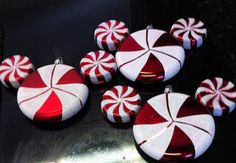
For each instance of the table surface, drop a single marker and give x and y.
(65, 28)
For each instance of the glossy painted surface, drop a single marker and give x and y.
(150, 56)
(174, 126)
(66, 28)
(98, 67)
(108, 35)
(190, 33)
(14, 70)
(120, 104)
(218, 95)
(52, 93)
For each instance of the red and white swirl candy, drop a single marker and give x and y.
(218, 95)
(173, 126)
(98, 66)
(120, 104)
(14, 70)
(150, 56)
(190, 32)
(109, 35)
(52, 93)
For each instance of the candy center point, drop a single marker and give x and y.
(110, 30)
(188, 28)
(218, 92)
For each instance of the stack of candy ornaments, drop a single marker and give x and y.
(168, 127)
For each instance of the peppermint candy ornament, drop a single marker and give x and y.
(218, 95)
(14, 70)
(109, 35)
(98, 66)
(190, 32)
(120, 104)
(52, 93)
(150, 56)
(173, 126)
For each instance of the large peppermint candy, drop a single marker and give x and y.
(218, 95)
(109, 35)
(150, 56)
(173, 126)
(98, 66)
(190, 32)
(53, 93)
(14, 70)
(120, 104)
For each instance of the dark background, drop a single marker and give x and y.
(44, 30)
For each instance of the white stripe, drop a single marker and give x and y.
(203, 31)
(8, 61)
(109, 101)
(113, 22)
(23, 61)
(110, 113)
(110, 93)
(119, 90)
(229, 94)
(127, 92)
(59, 72)
(87, 60)
(45, 73)
(80, 90)
(106, 74)
(3, 76)
(17, 58)
(229, 103)
(153, 36)
(93, 76)
(183, 22)
(3, 67)
(228, 86)
(209, 82)
(132, 69)
(204, 89)
(177, 32)
(124, 116)
(201, 140)
(140, 38)
(123, 56)
(104, 24)
(170, 65)
(197, 37)
(26, 93)
(191, 21)
(132, 107)
(199, 120)
(133, 98)
(178, 26)
(217, 111)
(13, 80)
(175, 105)
(206, 98)
(156, 145)
(121, 24)
(21, 73)
(99, 40)
(110, 43)
(219, 82)
(69, 107)
(30, 107)
(158, 102)
(28, 67)
(199, 24)
(186, 40)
